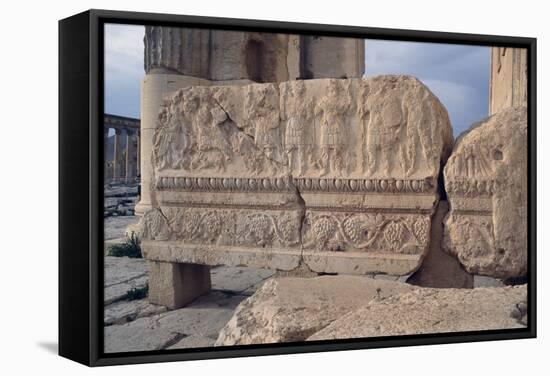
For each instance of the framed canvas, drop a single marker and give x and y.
(235, 187)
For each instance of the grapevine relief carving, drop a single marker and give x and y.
(366, 232)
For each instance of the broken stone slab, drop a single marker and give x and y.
(427, 311)
(125, 311)
(203, 318)
(486, 183)
(119, 291)
(123, 269)
(292, 309)
(122, 275)
(192, 341)
(339, 175)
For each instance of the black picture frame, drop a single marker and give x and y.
(81, 186)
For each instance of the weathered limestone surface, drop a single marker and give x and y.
(292, 309)
(230, 285)
(122, 274)
(427, 310)
(223, 55)
(326, 57)
(508, 81)
(486, 183)
(198, 324)
(175, 58)
(439, 269)
(122, 312)
(338, 174)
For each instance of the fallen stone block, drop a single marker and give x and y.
(486, 183)
(427, 311)
(292, 309)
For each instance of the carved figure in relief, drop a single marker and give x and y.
(213, 147)
(297, 137)
(172, 140)
(387, 120)
(332, 110)
(263, 113)
(474, 162)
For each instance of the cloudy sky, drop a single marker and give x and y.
(458, 75)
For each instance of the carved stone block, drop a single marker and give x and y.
(337, 174)
(486, 182)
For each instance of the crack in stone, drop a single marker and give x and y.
(297, 192)
(250, 137)
(173, 340)
(302, 204)
(127, 280)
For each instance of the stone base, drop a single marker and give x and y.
(354, 263)
(175, 285)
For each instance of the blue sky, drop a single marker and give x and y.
(457, 74)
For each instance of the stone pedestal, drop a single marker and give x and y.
(175, 285)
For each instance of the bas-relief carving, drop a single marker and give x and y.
(366, 232)
(218, 226)
(298, 140)
(407, 131)
(302, 139)
(196, 135)
(486, 183)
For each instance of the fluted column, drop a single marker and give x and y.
(130, 156)
(118, 164)
(138, 153)
(508, 81)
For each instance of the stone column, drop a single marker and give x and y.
(130, 156)
(105, 153)
(138, 153)
(508, 81)
(154, 88)
(118, 174)
(331, 57)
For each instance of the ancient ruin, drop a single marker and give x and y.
(339, 175)
(124, 166)
(268, 162)
(508, 80)
(176, 58)
(486, 182)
